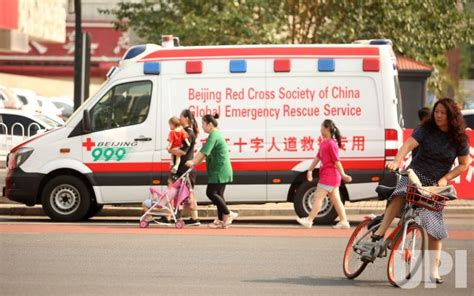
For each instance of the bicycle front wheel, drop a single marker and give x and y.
(406, 256)
(352, 264)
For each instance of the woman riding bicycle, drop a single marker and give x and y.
(440, 140)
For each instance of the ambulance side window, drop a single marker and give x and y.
(399, 102)
(123, 105)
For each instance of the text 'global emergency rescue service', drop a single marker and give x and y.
(208, 101)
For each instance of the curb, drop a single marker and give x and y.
(208, 211)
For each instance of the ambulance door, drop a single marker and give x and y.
(243, 124)
(120, 147)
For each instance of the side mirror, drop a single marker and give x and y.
(86, 122)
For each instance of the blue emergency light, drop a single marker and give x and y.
(238, 66)
(326, 65)
(134, 51)
(151, 68)
(380, 42)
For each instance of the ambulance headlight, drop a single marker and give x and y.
(19, 157)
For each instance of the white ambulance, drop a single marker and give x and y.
(271, 99)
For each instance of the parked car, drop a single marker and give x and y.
(65, 104)
(469, 117)
(50, 110)
(17, 125)
(469, 105)
(31, 102)
(9, 99)
(28, 98)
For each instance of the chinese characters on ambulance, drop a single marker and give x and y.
(291, 144)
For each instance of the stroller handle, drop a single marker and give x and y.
(189, 170)
(186, 173)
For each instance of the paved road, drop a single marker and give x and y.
(114, 257)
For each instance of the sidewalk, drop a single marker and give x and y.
(274, 210)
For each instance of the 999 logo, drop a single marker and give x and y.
(109, 154)
(108, 151)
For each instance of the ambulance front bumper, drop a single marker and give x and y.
(22, 187)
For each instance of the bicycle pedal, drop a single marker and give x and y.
(367, 259)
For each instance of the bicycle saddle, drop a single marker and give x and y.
(384, 192)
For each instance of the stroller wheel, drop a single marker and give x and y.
(144, 224)
(179, 223)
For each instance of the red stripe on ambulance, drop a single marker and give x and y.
(261, 51)
(123, 167)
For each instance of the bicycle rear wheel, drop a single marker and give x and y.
(406, 257)
(352, 264)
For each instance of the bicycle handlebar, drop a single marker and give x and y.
(400, 172)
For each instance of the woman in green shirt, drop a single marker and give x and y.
(219, 170)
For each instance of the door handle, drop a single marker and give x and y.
(142, 139)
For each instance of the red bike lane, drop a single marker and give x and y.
(202, 230)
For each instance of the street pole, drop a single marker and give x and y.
(77, 56)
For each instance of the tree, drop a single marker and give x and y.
(420, 29)
(202, 22)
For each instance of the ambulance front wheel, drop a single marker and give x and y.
(303, 203)
(66, 198)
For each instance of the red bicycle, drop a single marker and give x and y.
(407, 241)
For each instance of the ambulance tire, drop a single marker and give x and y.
(303, 203)
(66, 198)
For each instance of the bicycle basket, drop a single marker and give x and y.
(425, 198)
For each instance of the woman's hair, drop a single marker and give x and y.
(174, 121)
(335, 133)
(192, 122)
(211, 119)
(456, 123)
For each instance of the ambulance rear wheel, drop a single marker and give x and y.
(66, 198)
(303, 203)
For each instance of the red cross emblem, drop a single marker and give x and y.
(88, 144)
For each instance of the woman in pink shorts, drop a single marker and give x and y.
(330, 174)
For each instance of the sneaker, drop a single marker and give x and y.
(305, 222)
(163, 221)
(342, 225)
(231, 217)
(192, 222)
(376, 221)
(217, 224)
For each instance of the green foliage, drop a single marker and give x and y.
(420, 29)
(202, 22)
(467, 59)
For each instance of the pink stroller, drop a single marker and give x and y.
(168, 201)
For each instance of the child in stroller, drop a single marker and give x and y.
(166, 203)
